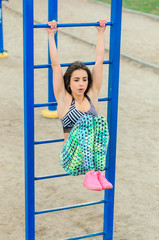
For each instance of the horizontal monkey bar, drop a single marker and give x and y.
(71, 25)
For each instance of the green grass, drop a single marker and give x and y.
(146, 6)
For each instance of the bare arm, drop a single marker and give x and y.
(58, 82)
(97, 72)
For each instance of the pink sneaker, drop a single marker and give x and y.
(103, 181)
(91, 181)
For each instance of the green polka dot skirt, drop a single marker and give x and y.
(86, 146)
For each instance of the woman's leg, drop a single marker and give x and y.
(71, 155)
(101, 139)
(77, 153)
(86, 141)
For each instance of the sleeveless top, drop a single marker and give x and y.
(74, 114)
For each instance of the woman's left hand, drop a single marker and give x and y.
(102, 26)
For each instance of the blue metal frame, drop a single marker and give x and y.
(112, 99)
(28, 53)
(1, 28)
(52, 14)
(113, 86)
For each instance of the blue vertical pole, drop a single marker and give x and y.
(113, 85)
(28, 58)
(3, 53)
(1, 28)
(52, 15)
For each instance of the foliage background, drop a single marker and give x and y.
(146, 6)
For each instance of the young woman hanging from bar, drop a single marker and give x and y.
(85, 132)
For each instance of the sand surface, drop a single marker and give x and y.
(136, 214)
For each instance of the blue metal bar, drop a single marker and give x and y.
(28, 59)
(72, 25)
(45, 104)
(48, 141)
(55, 103)
(67, 64)
(70, 207)
(104, 99)
(1, 29)
(52, 14)
(51, 176)
(86, 236)
(113, 85)
(56, 175)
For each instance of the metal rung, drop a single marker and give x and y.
(86, 236)
(68, 64)
(51, 176)
(45, 104)
(72, 25)
(70, 207)
(104, 99)
(55, 103)
(48, 141)
(58, 175)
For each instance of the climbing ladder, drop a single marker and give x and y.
(29, 105)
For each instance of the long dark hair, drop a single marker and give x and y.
(74, 66)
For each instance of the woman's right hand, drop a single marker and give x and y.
(53, 27)
(102, 25)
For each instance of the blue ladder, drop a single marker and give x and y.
(29, 105)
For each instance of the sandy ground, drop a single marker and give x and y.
(137, 174)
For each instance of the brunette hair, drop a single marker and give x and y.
(74, 66)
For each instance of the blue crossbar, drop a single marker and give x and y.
(67, 64)
(71, 25)
(45, 104)
(55, 103)
(86, 236)
(57, 175)
(48, 141)
(51, 176)
(70, 207)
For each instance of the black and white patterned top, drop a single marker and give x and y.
(74, 114)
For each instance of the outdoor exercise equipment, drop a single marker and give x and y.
(29, 105)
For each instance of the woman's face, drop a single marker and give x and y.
(79, 82)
